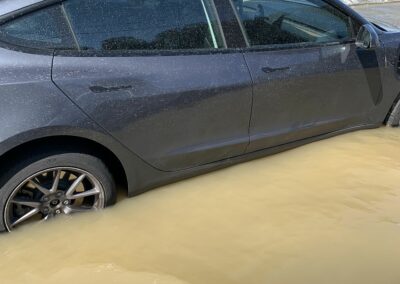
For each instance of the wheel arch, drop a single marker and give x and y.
(67, 142)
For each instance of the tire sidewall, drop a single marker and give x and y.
(21, 171)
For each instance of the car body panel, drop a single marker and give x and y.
(391, 71)
(33, 108)
(25, 87)
(314, 90)
(175, 112)
(161, 134)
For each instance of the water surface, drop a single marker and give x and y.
(328, 212)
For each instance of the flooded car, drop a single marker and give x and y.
(97, 94)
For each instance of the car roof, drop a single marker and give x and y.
(8, 6)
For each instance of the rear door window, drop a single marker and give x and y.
(144, 24)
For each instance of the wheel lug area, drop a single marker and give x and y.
(52, 192)
(54, 203)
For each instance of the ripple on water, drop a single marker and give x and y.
(325, 213)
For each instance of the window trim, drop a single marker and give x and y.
(209, 23)
(144, 53)
(230, 24)
(25, 12)
(25, 49)
(294, 46)
(219, 23)
(156, 52)
(336, 4)
(242, 28)
(233, 45)
(117, 53)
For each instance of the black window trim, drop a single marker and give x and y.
(337, 4)
(238, 46)
(23, 12)
(232, 28)
(143, 53)
(159, 52)
(219, 23)
(117, 53)
(27, 10)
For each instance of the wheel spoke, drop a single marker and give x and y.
(31, 204)
(71, 209)
(87, 193)
(74, 185)
(56, 181)
(53, 192)
(45, 191)
(25, 217)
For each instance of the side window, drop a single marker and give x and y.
(43, 29)
(144, 24)
(269, 22)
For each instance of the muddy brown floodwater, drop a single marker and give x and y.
(325, 213)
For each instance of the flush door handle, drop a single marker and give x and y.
(271, 70)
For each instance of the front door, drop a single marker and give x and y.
(309, 77)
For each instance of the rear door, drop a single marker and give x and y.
(309, 77)
(155, 75)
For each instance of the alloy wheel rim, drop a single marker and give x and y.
(52, 192)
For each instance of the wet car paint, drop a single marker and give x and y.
(325, 213)
(312, 96)
(150, 154)
(175, 112)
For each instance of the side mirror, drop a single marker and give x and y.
(367, 37)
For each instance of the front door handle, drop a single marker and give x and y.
(271, 70)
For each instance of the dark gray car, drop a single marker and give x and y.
(140, 93)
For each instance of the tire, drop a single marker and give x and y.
(394, 117)
(41, 168)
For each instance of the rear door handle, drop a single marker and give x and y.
(103, 89)
(271, 70)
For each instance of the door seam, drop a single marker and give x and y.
(95, 122)
(252, 103)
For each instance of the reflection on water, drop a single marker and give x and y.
(326, 213)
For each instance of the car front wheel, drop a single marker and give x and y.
(45, 186)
